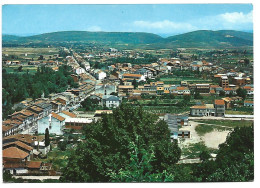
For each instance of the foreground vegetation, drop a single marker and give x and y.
(129, 146)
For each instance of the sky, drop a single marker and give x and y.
(162, 19)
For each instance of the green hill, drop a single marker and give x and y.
(207, 38)
(195, 39)
(10, 37)
(104, 37)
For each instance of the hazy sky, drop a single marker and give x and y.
(164, 19)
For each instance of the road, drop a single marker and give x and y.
(218, 118)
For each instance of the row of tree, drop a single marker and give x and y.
(17, 87)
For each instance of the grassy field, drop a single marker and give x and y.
(238, 112)
(203, 129)
(227, 123)
(13, 69)
(177, 80)
(34, 53)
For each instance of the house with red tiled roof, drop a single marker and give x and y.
(202, 110)
(219, 107)
(249, 103)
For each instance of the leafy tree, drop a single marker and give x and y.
(241, 93)
(107, 150)
(222, 93)
(235, 159)
(204, 155)
(140, 168)
(197, 95)
(20, 68)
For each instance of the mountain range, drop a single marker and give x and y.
(200, 38)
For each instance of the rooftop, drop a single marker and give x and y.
(58, 117)
(219, 102)
(14, 153)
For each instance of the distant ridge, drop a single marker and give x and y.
(200, 38)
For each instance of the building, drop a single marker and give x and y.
(14, 160)
(203, 88)
(124, 90)
(53, 122)
(132, 77)
(249, 103)
(202, 110)
(99, 74)
(239, 81)
(219, 108)
(99, 113)
(174, 122)
(224, 82)
(76, 123)
(228, 102)
(111, 101)
(105, 89)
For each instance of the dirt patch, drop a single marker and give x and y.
(213, 139)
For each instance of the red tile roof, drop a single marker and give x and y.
(219, 102)
(132, 75)
(14, 153)
(20, 144)
(199, 107)
(250, 102)
(34, 164)
(25, 138)
(58, 117)
(6, 127)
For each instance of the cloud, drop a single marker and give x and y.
(229, 20)
(237, 17)
(165, 26)
(225, 21)
(94, 28)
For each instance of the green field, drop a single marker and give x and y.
(227, 123)
(203, 129)
(14, 69)
(28, 53)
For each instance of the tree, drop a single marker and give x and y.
(134, 83)
(197, 95)
(241, 93)
(106, 148)
(222, 93)
(20, 68)
(204, 155)
(140, 168)
(234, 161)
(47, 137)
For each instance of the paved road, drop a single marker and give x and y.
(218, 118)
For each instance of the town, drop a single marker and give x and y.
(201, 94)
